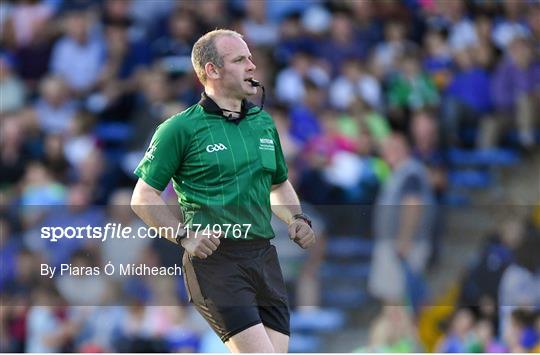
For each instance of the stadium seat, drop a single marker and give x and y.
(487, 157)
(475, 179)
(317, 320)
(113, 132)
(456, 199)
(351, 271)
(304, 343)
(348, 247)
(349, 297)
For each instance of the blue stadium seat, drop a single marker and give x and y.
(317, 320)
(345, 297)
(113, 132)
(456, 199)
(487, 157)
(470, 179)
(348, 247)
(300, 343)
(353, 271)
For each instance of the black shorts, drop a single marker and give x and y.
(238, 286)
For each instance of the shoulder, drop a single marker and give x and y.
(63, 43)
(185, 118)
(181, 122)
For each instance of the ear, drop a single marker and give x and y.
(211, 71)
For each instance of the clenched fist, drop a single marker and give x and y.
(200, 245)
(301, 233)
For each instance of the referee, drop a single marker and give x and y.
(225, 159)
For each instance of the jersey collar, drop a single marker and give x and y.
(211, 107)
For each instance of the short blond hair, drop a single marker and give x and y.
(205, 51)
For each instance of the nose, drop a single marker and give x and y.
(251, 66)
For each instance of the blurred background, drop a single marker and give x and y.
(429, 104)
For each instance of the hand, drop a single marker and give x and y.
(200, 245)
(301, 233)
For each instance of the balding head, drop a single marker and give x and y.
(205, 50)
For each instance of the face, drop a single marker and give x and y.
(394, 150)
(237, 67)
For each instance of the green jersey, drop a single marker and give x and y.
(222, 170)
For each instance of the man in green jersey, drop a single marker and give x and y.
(225, 160)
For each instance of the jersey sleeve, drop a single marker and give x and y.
(164, 155)
(281, 173)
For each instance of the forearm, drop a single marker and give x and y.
(410, 215)
(153, 210)
(285, 202)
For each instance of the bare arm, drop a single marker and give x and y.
(285, 205)
(410, 215)
(148, 204)
(285, 202)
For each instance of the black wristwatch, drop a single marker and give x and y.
(303, 217)
(182, 234)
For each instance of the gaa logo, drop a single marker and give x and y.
(215, 147)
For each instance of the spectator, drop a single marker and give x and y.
(206, 11)
(125, 58)
(368, 29)
(341, 44)
(9, 247)
(78, 57)
(49, 327)
(409, 90)
(426, 148)
(82, 286)
(290, 82)
(354, 82)
(258, 29)
(520, 282)
(402, 246)
(461, 31)
(387, 54)
(365, 119)
(54, 158)
(77, 212)
(55, 109)
(533, 22)
(305, 116)
(510, 26)
(12, 88)
(516, 88)
(39, 191)
(79, 140)
(292, 39)
(173, 51)
(289, 145)
(28, 34)
(520, 334)
(468, 100)
(438, 60)
(459, 338)
(393, 331)
(14, 155)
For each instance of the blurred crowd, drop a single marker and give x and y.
(369, 98)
